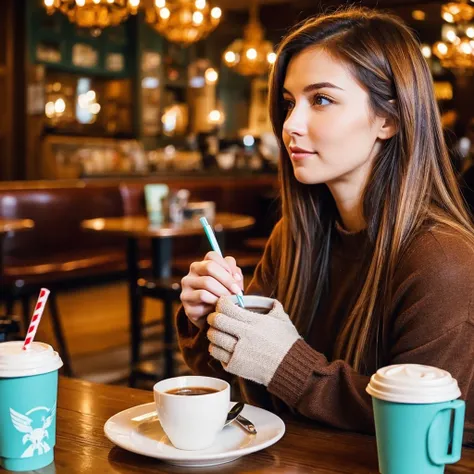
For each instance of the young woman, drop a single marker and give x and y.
(373, 258)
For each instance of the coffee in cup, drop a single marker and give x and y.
(190, 391)
(28, 402)
(256, 304)
(413, 405)
(192, 422)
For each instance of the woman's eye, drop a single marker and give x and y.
(289, 105)
(321, 100)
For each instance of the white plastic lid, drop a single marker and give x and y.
(412, 383)
(40, 358)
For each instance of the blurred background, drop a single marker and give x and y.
(135, 76)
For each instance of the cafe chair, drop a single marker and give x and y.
(166, 290)
(57, 253)
(9, 329)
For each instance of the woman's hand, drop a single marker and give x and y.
(206, 282)
(250, 345)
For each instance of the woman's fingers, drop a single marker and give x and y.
(235, 271)
(200, 296)
(215, 270)
(219, 353)
(226, 324)
(229, 264)
(221, 339)
(209, 284)
(206, 282)
(215, 257)
(197, 313)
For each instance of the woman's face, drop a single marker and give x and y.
(330, 133)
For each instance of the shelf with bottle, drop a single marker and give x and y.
(78, 104)
(61, 45)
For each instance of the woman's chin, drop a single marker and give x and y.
(303, 176)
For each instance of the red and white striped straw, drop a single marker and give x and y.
(35, 320)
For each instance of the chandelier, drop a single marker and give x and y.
(183, 21)
(94, 14)
(251, 55)
(456, 51)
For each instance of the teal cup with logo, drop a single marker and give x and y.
(419, 420)
(28, 401)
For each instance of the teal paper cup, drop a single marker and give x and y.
(418, 420)
(155, 194)
(28, 400)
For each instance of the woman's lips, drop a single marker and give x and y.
(297, 153)
(296, 156)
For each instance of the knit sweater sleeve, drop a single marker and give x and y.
(431, 322)
(193, 341)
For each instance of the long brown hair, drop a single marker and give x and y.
(411, 185)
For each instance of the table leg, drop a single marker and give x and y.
(7, 296)
(1, 274)
(161, 257)
(13, 327)
(134, 301)
(1, 257)
(162, 251)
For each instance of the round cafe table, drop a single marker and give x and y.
(161, 236)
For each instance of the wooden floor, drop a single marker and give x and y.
(96, 326)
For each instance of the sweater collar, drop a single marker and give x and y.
(350, 245)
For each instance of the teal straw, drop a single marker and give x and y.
(215, 246)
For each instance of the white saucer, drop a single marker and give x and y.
(138, 430)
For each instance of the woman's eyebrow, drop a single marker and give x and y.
(316, 86)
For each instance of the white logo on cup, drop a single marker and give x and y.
(33, 435)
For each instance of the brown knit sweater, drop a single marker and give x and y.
(431, 322)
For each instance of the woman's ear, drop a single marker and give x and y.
(389, 128)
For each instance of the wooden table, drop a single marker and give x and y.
(83, 409)
(161, 236)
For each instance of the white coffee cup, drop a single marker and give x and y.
(255, 303)
(192, 422)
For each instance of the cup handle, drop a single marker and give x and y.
(459, 407)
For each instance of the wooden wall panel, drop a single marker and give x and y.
(6, 61)
(12, 89)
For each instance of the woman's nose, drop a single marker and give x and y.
(295, 123)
